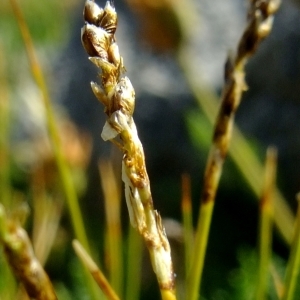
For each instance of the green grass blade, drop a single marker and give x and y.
(64, 171)
(265, 228)
(134, 265)
(186, 207)
(293, 268)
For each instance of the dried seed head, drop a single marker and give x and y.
(95, 40)
(99, 93)
(125, 96)
(114, 54)
(92, 13)
(109, 19)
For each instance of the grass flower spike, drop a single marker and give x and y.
(118, 97)
(22, 260)
(260, 20)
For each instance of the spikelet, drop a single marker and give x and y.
(118, 97)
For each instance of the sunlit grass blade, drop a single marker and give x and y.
(64, 171)
(98, 276)
(186, 208)
(4, 131)
(292, 277)
(46, 217)
(277, 280)
(133, 265)
(7, 282)
(65, 175)
(114, 247)
(200, 245)
(266, 222)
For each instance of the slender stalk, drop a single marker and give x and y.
(4, 132)
(266, 221)
(112, 199)
(240, 147)
(259, 25)
(118, 97)
(277, 280)
(293, 267)
(46, 217)
(186, 208)
(134, 265)
(64, 171)
(95, 271)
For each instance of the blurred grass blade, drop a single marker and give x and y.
(7, 281)
(46, 217)
(134, 265)
(64, 171)
(4, 132)
(95, 272)
(114, 247)
(197, 259)
(186, 207)
(292, 278)
(266, 221)
(277, 280)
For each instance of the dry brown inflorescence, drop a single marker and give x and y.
(117, 95)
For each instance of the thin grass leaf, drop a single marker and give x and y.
(114, 247)
(186, 208)
(4, 132)
(38, 76)
(98, 276)
(46, 217)
(134, 265)
(266, 221)
(66, 178)
(292, 277)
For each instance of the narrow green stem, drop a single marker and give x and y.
(134, 264)
(112, 198)
(4, 133)
(239, 149)
(293, 267)
(194, 278)
(186, 208)
(266, 221)
(64, 171)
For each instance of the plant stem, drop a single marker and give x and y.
(266, 221)
(259, 26)
(95, 271)
(293, 266)
(118, 97)
(186, 208)
(4, 133)
(64, 171)
(134, 261)
(112, 199)
(21, 258)
(240, 150)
